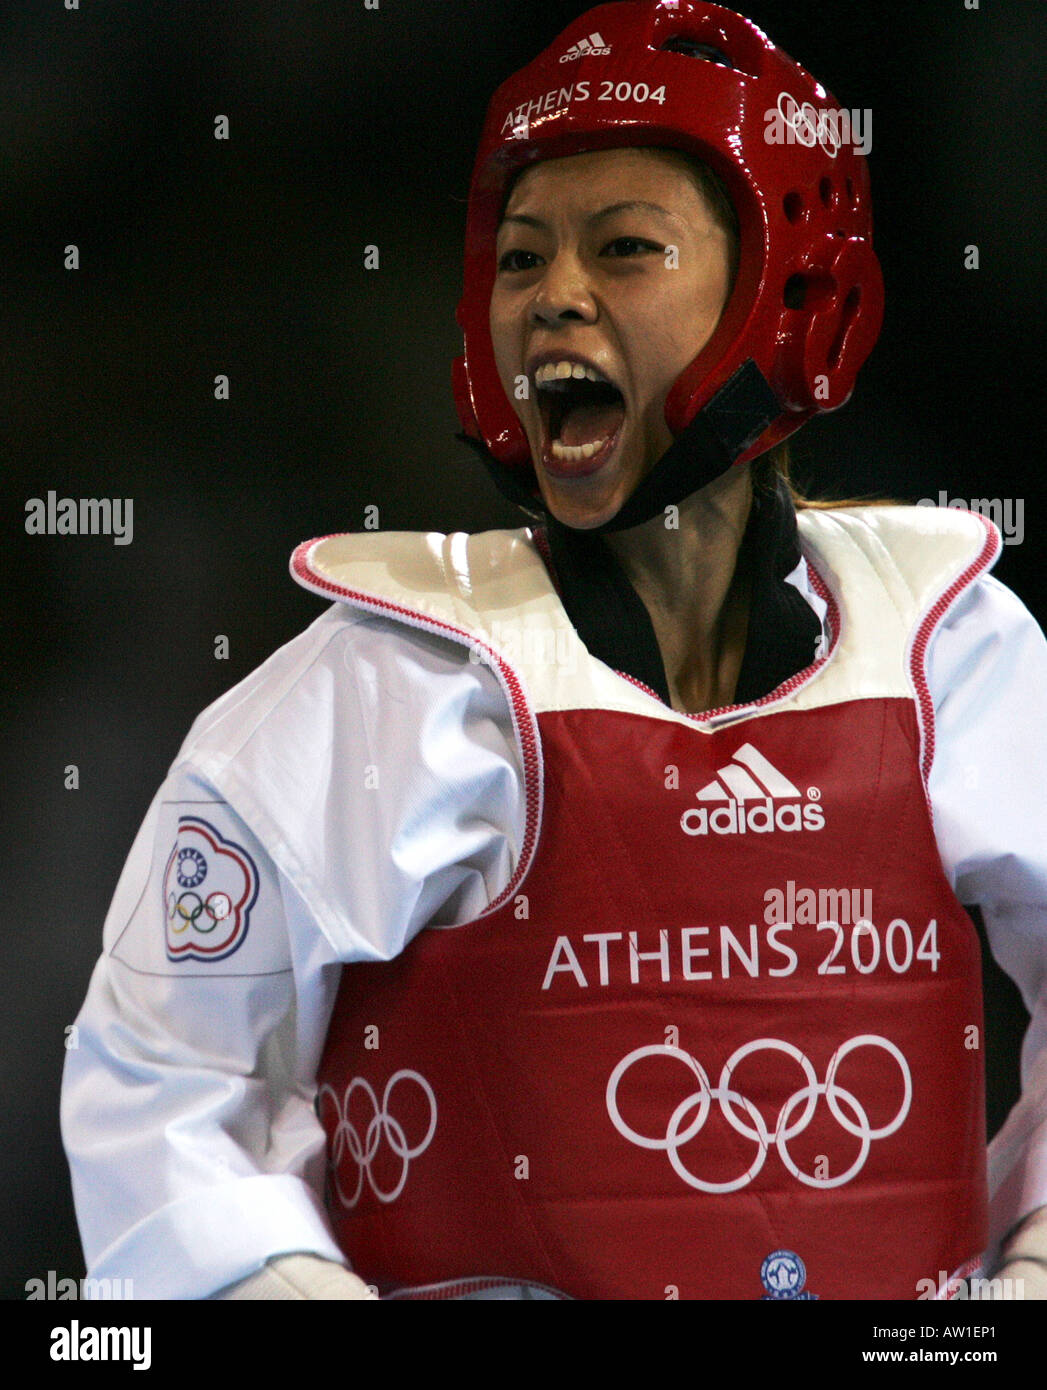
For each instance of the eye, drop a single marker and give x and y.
(509, 261)
(631, 246)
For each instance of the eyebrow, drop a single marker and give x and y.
(632, 205)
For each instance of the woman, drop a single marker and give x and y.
(679, 782)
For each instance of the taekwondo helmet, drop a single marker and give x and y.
(807, 301)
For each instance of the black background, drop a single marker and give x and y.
(197, 257)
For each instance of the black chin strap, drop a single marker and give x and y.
(602, 604)
(737, 415)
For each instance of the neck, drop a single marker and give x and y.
(693, 588)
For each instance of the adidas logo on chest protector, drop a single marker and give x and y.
(754, 797)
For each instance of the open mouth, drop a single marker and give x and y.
(581, 414)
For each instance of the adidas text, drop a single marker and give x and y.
(738, 818)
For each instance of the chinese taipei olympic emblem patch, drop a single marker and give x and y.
(210, 886)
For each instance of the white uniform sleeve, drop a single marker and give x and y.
(987, 672)
(188, 1135)
(355, 789)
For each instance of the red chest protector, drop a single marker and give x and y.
(722, 1040)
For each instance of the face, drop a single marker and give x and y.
(612, 275)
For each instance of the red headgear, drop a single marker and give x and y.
(807, 302)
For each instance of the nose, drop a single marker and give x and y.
(563, 294)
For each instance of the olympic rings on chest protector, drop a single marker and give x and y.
(346, 1137)
(681, 1129)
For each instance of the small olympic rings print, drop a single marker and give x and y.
(346, 1147)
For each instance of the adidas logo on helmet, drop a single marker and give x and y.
(755, 798)
(592, 47)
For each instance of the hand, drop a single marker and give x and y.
(296, 1277)
(1021, 1270)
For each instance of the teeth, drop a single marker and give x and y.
(561, 371)
(565, 370)
(573, 452)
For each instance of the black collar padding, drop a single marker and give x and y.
(615, 627)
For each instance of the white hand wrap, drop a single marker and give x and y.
(293, 1277)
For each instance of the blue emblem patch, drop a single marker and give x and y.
(783, 1274)
(192, 867)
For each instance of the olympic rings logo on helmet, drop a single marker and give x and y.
(680, 1129)
(809, 125)
(344, 1138)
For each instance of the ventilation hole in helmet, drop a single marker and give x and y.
(794, 296)
(793, 206)
(693, 49)
(825, 192)
(847, 313)
(850, 191)
(810, 290)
